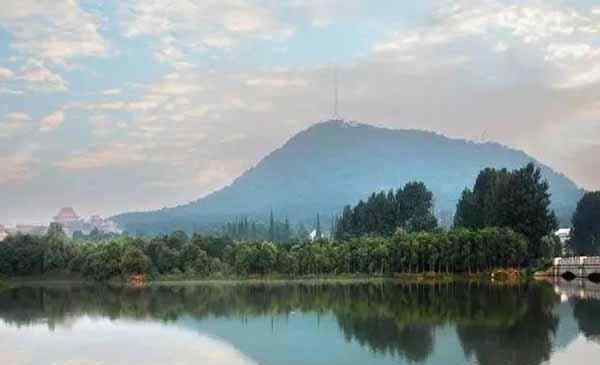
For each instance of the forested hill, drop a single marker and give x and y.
(335, 163)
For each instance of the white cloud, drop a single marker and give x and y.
(177, 26)
(18, 116)
(582, 78)
(113, 154)
(277, 82)
(111, 92)
(39, 77)
(559, 42)
(55, 31)
(8, 91)
(52, 121)
(104, 126)
(5, 73)
(13, 124)
(16, 168)
(219, 41)
(112, 105)
(321, 13)
(571, 51)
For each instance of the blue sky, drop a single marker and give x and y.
(110, 106)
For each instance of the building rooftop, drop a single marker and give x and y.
(66, 214)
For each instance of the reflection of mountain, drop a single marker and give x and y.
(394, 321)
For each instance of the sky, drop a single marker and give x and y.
(113, 106)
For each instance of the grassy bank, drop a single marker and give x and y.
(496, 275)
(500, 276)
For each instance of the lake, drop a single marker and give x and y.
(302, 324)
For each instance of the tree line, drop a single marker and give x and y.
(503, 221)
(177, 254)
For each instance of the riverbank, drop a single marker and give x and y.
(497, 276)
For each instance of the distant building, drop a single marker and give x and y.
(69, 220)
(66, 216)
(32, 229)
(313, 235)
(3, 233)
(71, 223)
(564, 234)
(102, 225)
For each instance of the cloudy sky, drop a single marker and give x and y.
(120, 105)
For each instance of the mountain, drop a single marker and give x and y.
(335, 163)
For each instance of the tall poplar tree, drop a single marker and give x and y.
(585, 237)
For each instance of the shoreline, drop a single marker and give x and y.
(404, 278)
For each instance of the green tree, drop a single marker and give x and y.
(271, 227)
(134, 261)
(519, 200)
(467, 215)
(410, 208)
(318, 228)
(585, 237)
(525, 207)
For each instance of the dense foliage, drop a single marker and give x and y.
(585, 237)
(409, 208)
(244, 228)
(458, 251)
(518, 199)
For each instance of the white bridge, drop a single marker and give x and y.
(581, 266)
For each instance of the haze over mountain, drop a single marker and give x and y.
(335, 163)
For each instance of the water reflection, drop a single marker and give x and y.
(378, 323)
(96, 341)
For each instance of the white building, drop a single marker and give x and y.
(71, 223)
(564, 234)
(3, 233)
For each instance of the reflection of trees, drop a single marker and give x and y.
(527, 341)
(513, 324)
(383, 335)
(587, 314)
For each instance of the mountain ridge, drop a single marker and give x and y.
(333, 163)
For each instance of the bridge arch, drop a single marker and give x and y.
(579, 266)
(594, 277)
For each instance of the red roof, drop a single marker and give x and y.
(66, 214)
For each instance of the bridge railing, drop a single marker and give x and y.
(563, 261)
(592, 261)
(577, 260)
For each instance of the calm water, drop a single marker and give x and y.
(302, 324)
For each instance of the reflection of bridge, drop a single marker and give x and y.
(581, 267)
(580, 289)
